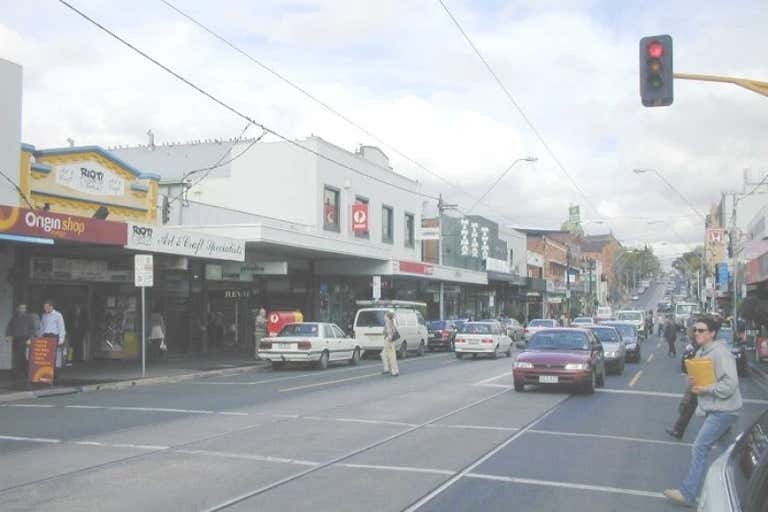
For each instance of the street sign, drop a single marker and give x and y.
(376, 287)
(143, 270)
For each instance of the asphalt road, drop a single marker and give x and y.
(445, 435)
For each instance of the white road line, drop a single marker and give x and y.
(28, 405)
(228, 413)
(481, 460)
(566, 485)
(473, 427)
(89, 443)
(668, 395)
(650, 358)
(502, 386)
(139, 446)
(328, 382)
(606, 436)
(406, 469)
(30, 439)
(246, 456)
(358, 420)
(635, 378)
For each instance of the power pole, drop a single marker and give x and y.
(442, 207)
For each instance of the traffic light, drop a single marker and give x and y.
(656, 81)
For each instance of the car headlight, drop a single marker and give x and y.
(523, 364)
(577, 366)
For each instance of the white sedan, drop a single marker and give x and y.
(482, 338)
(309, 342)
(537, 325)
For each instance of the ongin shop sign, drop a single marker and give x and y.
(22, 221)
(143, 237)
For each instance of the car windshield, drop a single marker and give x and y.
(633, 316)
(582, 320)
(476, 328)
(559, 340)
(542, 323)
(684, 309)
(606, 335)
(370, 318)
(626, 331)
(305, 330)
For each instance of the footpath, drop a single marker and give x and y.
(114, 375)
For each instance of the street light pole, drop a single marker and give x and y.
(501, 176)
(672, 187)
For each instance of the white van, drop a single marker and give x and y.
(369, 327)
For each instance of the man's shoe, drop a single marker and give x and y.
(674, 433)
(677, 498)
(395, 374)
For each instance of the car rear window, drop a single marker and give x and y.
(308, 330)
(370, 318)
(473, 328)
(624, 330)
(559, 340)
(542, 323)
(608, 334)
(631, 316)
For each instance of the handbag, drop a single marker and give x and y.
(395, 335)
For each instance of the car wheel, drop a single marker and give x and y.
(519, 387)
(355, 357)
(509, 350)
(421, 348)
(589, 387)
(459, 355)
(403, 352)
(495, 354)
(322, 363)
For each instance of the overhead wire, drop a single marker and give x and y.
(235, 111)
(18, 189)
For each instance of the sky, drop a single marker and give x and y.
(403, 71)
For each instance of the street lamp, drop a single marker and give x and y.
(662, 178)
(501, 176)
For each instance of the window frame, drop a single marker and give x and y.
(337, 226)
(409, 241)
(389, 213)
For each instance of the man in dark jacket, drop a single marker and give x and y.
(670, 335)
(22, 328)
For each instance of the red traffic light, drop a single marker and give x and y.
(655, 50)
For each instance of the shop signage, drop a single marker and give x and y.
(757, 269)
(715, 235)
(360, 218)
(245, 271)
(42, 359)
(40, 223)
(722, 276)
(535, 259)
(428, 233)
(143, 237)
(237, 294)
(376, 285)
(72, 269)
(91, 178)
(413, 267)
(494, 265)
(143, 270)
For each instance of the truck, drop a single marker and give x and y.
(684, 311)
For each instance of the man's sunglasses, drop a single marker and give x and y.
(699, 331)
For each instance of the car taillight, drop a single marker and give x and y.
(525, 330)
(487, 340)
(305, 345)
(265, 345)
(446, 334)
(459, 340)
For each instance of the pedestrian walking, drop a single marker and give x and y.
(20, 330)
(388, 353)
(688, 404)
(157, 346)
(670, 336)
(660, 325)
(259, 330)
(52, 326)
(720, 403)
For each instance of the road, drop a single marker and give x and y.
(445, 435)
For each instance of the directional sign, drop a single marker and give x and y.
(143, 270)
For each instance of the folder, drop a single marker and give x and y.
(702, 371)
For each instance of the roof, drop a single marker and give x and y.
(90, 149)
(595, 243)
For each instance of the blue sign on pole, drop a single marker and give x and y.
(722, 276)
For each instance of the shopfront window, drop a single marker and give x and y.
(331, 209)
(387, 228)
(409, 234)
(365, 233)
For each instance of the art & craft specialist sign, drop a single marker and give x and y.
(40, 223)
(90, 177)
(143, 237)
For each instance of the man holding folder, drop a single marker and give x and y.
(716, 384)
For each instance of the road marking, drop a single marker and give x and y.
(650, 358)
(358, 420)
(491, 379)
(473, 427)
(606, 436)
(30, 439)
(327, 382)
(455, 478)
(635, 378)
(565, 485)
(246, 456)
(28, 405)
(502, 386)
(668, 395)
(406, 469)
(229, 413)
(89, 443)
(139, 446)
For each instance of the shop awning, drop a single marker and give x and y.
(505, 277)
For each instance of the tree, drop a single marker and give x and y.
(635, 265)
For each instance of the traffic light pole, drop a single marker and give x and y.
(753, 85)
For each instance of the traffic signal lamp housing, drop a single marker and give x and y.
(656, 80)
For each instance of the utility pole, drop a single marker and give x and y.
(442, 207)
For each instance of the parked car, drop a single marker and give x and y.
(538, 324)
(487, 338)
(628, 333)
(604, 313)
(441, 334)
(568, 356)
(369, 328)
(303, 342)
(737, 481)
(613, 346)
(637, 317)
(514, 329)
(581, 321)
(739, 351)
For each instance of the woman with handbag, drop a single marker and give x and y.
(388, 353)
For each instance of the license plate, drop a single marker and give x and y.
(474, 342)
(284, 346)
(548, 379)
